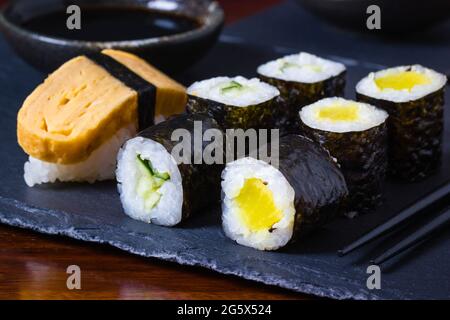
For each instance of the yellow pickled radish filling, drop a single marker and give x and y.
(402, 80)
(339, 112)
(257, 208)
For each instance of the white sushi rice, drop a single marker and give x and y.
(302, 67)
(368, 87)
(368, 116)
(254, 91)
(168, 211)
(233, 179)
(100, 165)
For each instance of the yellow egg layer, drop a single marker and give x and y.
(339, 112)
(257, 208)
(402, 80)
(81, 105)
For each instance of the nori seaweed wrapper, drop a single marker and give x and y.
(258, 116)
(146, 91)
(201, 182)
(320, 188)
(295, 95)
(415, 134)
(362, 156)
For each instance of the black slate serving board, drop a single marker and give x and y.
(93, 212)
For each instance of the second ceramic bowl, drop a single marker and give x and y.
(397, 16)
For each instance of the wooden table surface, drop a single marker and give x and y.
(33, 266)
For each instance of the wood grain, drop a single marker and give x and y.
(33, 266)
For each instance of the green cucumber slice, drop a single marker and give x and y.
(152, 200)
(149, 183)
(233, 85)
(287, 65)
(148, 165)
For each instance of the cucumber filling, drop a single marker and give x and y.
(289, 65)
(232, 86)
(149, 183)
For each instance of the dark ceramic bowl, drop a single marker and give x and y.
(170, 53)
(397, 16)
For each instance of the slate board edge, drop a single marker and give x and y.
(20, 219)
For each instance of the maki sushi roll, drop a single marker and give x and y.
(302, 79)
(157, 187)
(236, 103)
(414, 98)
(266, 207)
(356, 135)
(73, 124)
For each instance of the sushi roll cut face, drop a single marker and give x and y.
(302, 68)
(237, 91)
(302, 79)
(258, 204)
(414, 98)
(356, 135)
(234, 102)
(340, 115)
(401, 84)
(155, 184)
(266, 207)
(149, 182)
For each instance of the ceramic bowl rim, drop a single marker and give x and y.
(214, 19)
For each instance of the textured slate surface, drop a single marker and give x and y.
(93, 212)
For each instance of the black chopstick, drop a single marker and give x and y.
(418, 236)
(419, 206)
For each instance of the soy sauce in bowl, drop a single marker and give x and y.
(171, 34)
(112, 24)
